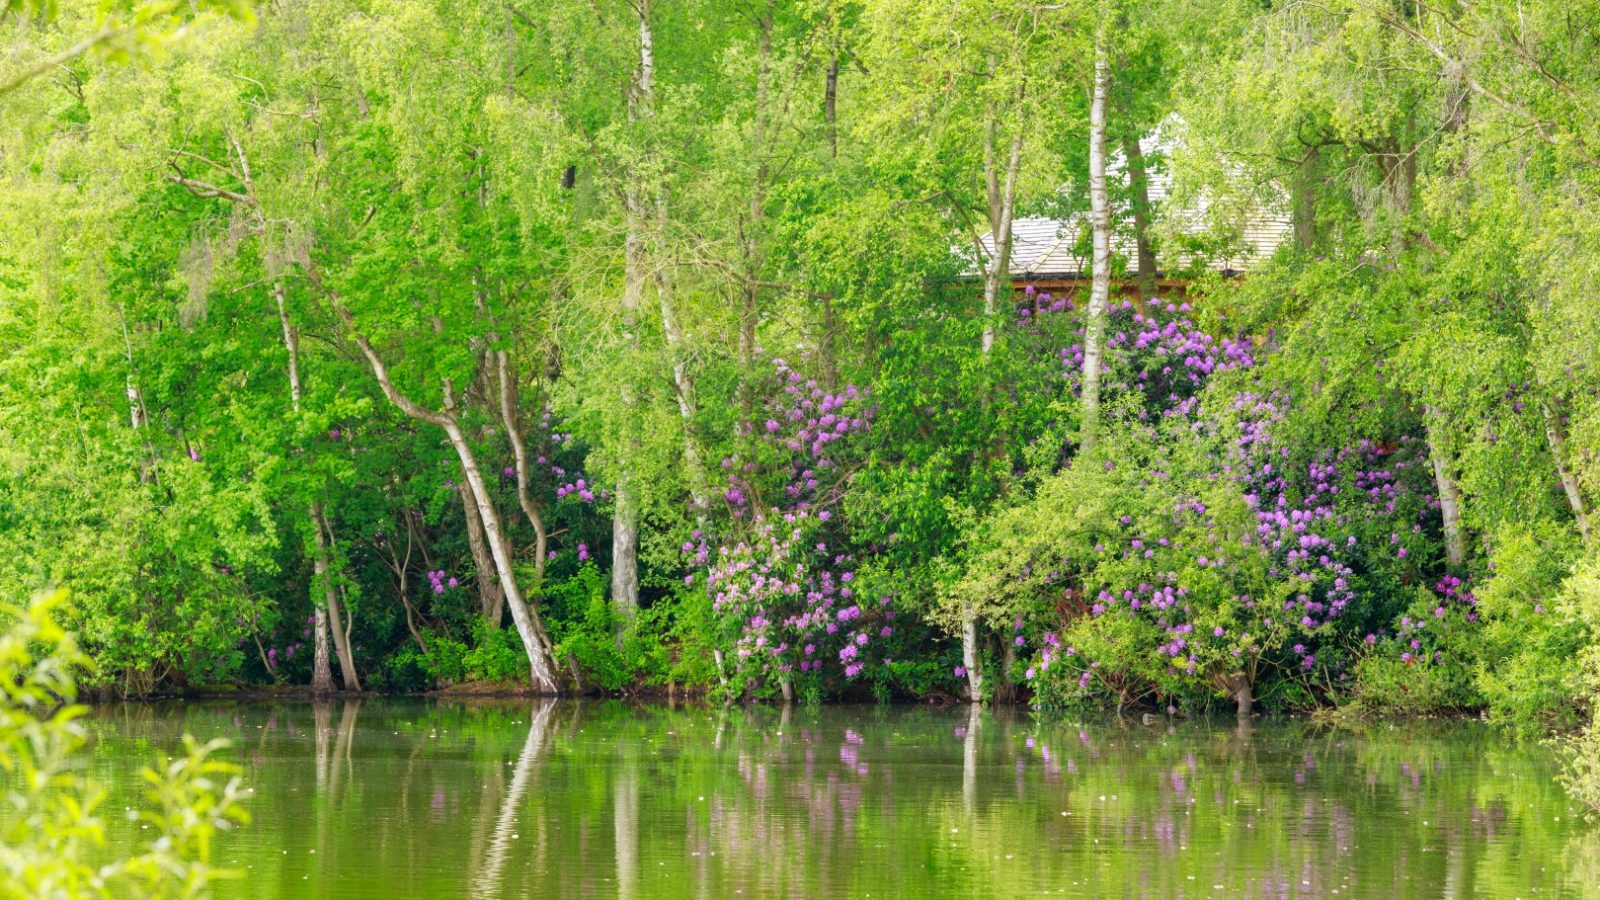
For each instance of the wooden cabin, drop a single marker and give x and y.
(1052, 255)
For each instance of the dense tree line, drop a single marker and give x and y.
(617, 345)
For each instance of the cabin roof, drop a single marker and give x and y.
(1049, 248)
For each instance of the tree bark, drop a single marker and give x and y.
(1455, 542)
(1139, 186)
(1000, 187)
(491, 597)
(524, 616)
(830, 104)
(1100, 222)
(336, 614)
(750, 311)
(1006, 692)
(1557, 440)
(1303, 210)
(1243, 697)
(971, 659)
(321, 669)
(624, 516)
(519, 448)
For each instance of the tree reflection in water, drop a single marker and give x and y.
(559, 799)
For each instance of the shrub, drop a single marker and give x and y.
(1530, 667)
(497, 654)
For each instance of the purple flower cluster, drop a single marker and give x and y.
(1154, 348)
(791, 594)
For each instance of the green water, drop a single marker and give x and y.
(392, 799)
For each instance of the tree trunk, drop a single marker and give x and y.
(750, 312)
(971, 659)
(519, 449)
(624, 517)
(1100, 221)
(524, 616)
(683, 387)
(828, 348)
(1455, 542)
(1139, 185)
(1007, 690)
(830, 104)
(321, 668)
(1569, 482)
(722, 667)
(1001, 189)
(529, 627)
(491, 598)
(336, 618)
(1303, 210)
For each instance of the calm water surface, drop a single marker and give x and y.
(393, 799)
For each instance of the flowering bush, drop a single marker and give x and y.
(781, 582)
(1202, 548)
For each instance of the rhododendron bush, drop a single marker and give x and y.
(780, 576)
(1198, 553)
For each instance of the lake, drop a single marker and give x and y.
(498, 798)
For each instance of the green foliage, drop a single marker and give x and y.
(496, 654)
(1537, 628)
(268, 295)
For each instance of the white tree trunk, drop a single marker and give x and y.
(541, 662)
(1100, 223)
(534, 641)
(1455, 541)
(491, 598)
(625, 516)
(1569, 482)
(321, 670)
(971, 659)
(321, 666)
(336, 619)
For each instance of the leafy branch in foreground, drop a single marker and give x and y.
(50, 830)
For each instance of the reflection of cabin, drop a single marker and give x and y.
(1053, 254)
